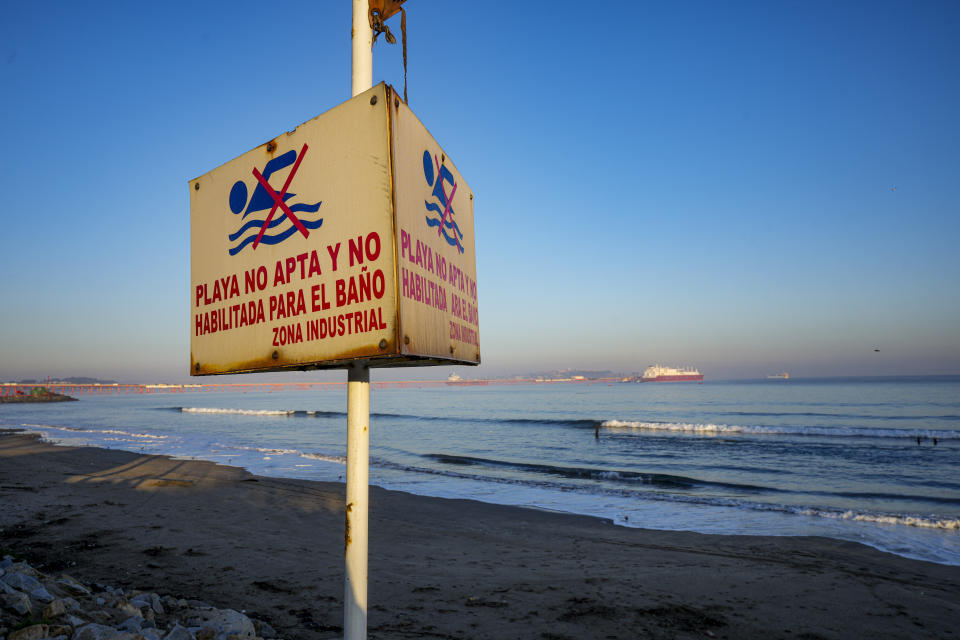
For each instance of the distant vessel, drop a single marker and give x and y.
(779, 376)
(453, 378)
(657, 373)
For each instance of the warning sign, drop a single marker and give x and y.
(349, 238)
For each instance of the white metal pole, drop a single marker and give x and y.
(362, 66)
(358, 402)
(357, 504)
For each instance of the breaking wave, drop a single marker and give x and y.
(822, 432)
(640, 426)
(272, 451)
(108, 432)
(240, 412)
(909, 520)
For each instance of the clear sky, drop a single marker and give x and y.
(745, 187)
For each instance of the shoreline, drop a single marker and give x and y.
(441, 568)
(914, 535)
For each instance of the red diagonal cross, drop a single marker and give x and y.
(278, 198)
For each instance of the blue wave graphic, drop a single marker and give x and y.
(253, 227)
(452, 240)
(259, 223)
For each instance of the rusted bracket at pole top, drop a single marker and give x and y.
(378, 13)
(383, 10)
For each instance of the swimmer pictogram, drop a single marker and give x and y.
(266, 199)
(436, 174)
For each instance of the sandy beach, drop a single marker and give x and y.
(442, 568)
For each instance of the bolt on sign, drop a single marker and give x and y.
(348, 238)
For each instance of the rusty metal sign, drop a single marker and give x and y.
(349, 238)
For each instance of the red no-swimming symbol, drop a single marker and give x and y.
(278, 198)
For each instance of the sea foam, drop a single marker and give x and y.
(820, 432)
(240, 412)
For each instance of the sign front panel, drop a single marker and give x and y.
(436, 255)
(292, 259)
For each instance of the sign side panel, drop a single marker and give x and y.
(436, 251)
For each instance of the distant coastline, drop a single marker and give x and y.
(10, 390)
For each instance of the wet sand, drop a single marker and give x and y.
(442, 568)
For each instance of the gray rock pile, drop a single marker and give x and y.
(34, 606)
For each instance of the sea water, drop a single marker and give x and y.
(873, 460)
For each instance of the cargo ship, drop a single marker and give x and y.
(656, 373)
(453, 378)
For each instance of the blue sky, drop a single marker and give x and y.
(745, 187)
